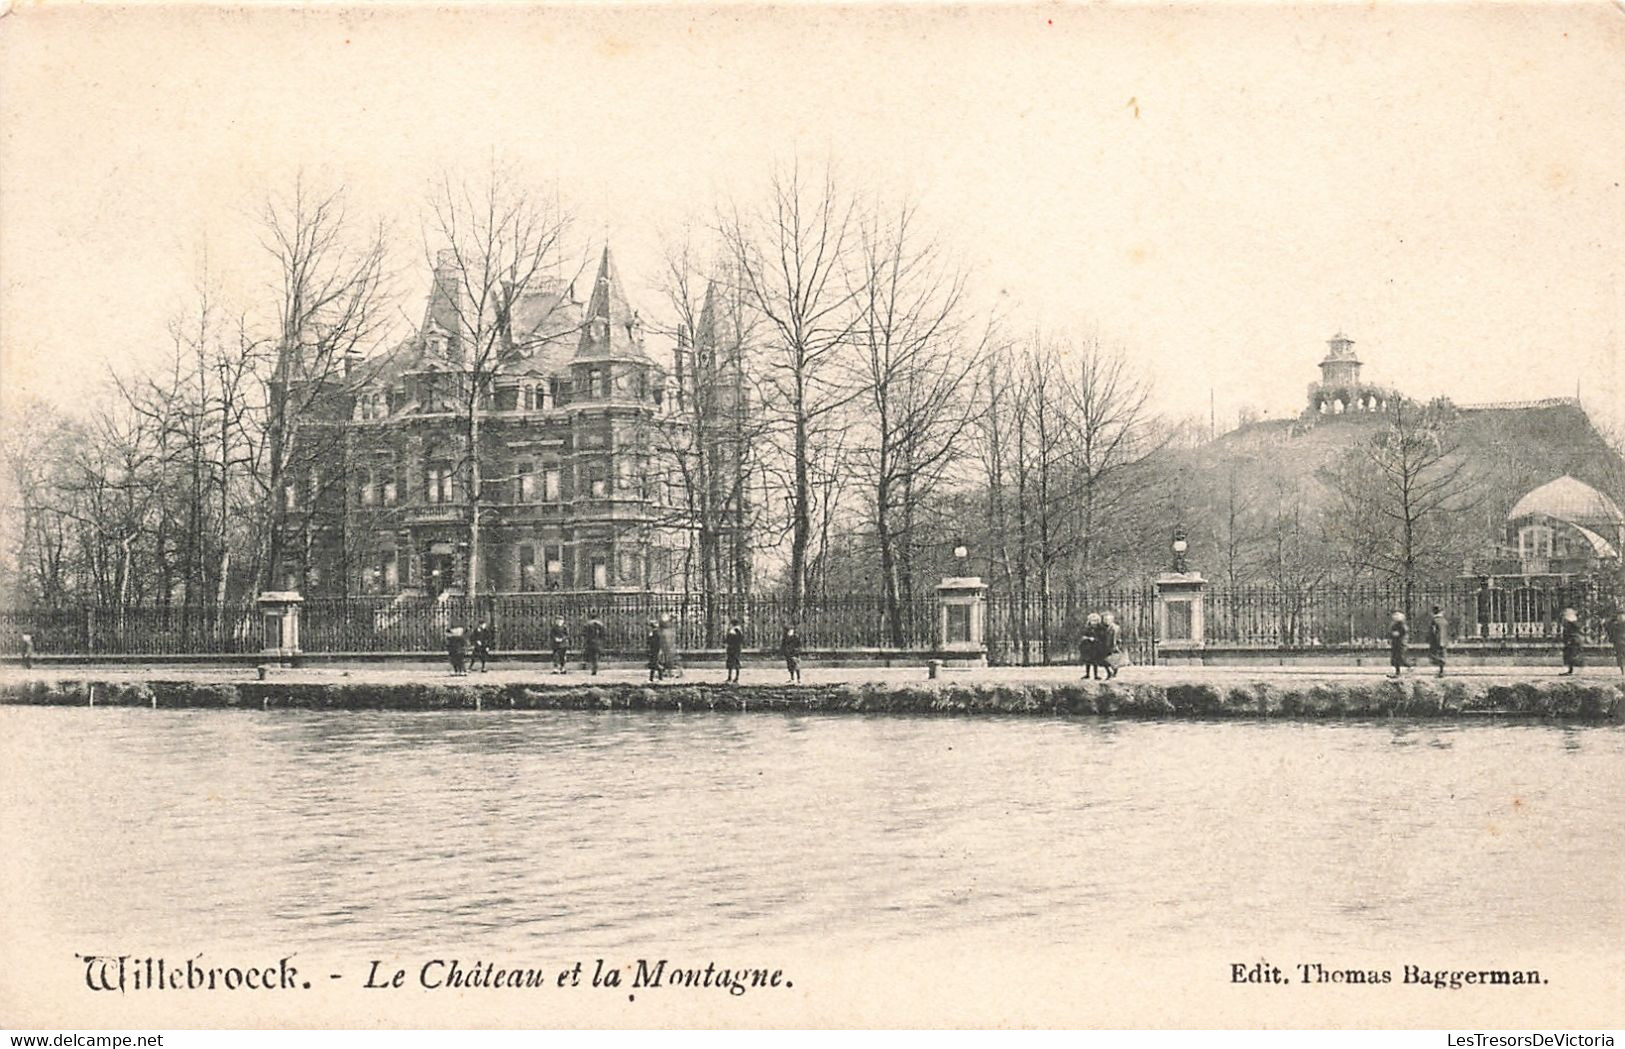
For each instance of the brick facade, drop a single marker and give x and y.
(578, 489)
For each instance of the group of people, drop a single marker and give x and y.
(465, 647)
(1439, 637)
(1101, 647)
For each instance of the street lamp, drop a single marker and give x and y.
(961, 552)
(1180, 546)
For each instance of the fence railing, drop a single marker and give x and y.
(1020, 630)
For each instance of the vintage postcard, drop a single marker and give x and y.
(812, 515)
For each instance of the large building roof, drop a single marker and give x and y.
(1568, 499)
(609, 329)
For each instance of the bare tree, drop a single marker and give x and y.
(489, 241)
(329, 305)
(709, 428)
(791, 256)
(1397, 494)
(917, 355)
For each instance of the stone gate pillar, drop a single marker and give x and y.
(962, 620)
(279, 614)
(1180, 624)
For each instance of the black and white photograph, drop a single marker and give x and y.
(812, 516)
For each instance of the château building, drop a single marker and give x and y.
(584, 448)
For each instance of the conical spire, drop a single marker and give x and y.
(610, 325)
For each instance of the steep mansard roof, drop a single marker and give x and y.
(610, 327)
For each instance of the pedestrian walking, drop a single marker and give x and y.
(28, 651)
(592, 644)
(559, 635)
(484, 640)
(734, 642)
(656, 667)
(1111, 645)
(1398, 632)
(1571, 640)
(456, 646)
(671, 664)
(1438, 632)
(1616, 636)
(1089, 645)
(790, 648)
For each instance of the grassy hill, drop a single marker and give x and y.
(1236, 482)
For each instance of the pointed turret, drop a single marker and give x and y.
(610, 328)
(440, 316)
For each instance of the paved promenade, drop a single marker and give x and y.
(531, 672)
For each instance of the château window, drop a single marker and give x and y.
(386, 485)
(551, 478)
(527, 482)
(438, 486)
(527, 567)
(388, 570)
(595, 479)
(364, 489)
(600, 574)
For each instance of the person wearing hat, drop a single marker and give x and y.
(559, 635)
(592, 644)
(484, 639)
(1571, 640)
(1437, 632)
(653, 641)
(1398, 632)
(1089, 645)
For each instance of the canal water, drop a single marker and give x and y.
(507, 831)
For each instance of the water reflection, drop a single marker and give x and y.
(610, 829)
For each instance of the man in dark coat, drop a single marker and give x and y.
(656, 666)
(1571, 640)
(790, 648)
(1398, 633)
(734, 642)
(1438, 630)
(560, 637)
(1616, 636)
(484, 640)
(592, 643)
(1089, 646)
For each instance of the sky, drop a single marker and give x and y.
(1216, 190)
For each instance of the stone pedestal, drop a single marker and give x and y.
(1181, 629)
(962, 621)
(279, 613)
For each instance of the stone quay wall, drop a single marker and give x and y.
(1303, 697)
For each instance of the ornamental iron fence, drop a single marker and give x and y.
(1020, 630)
